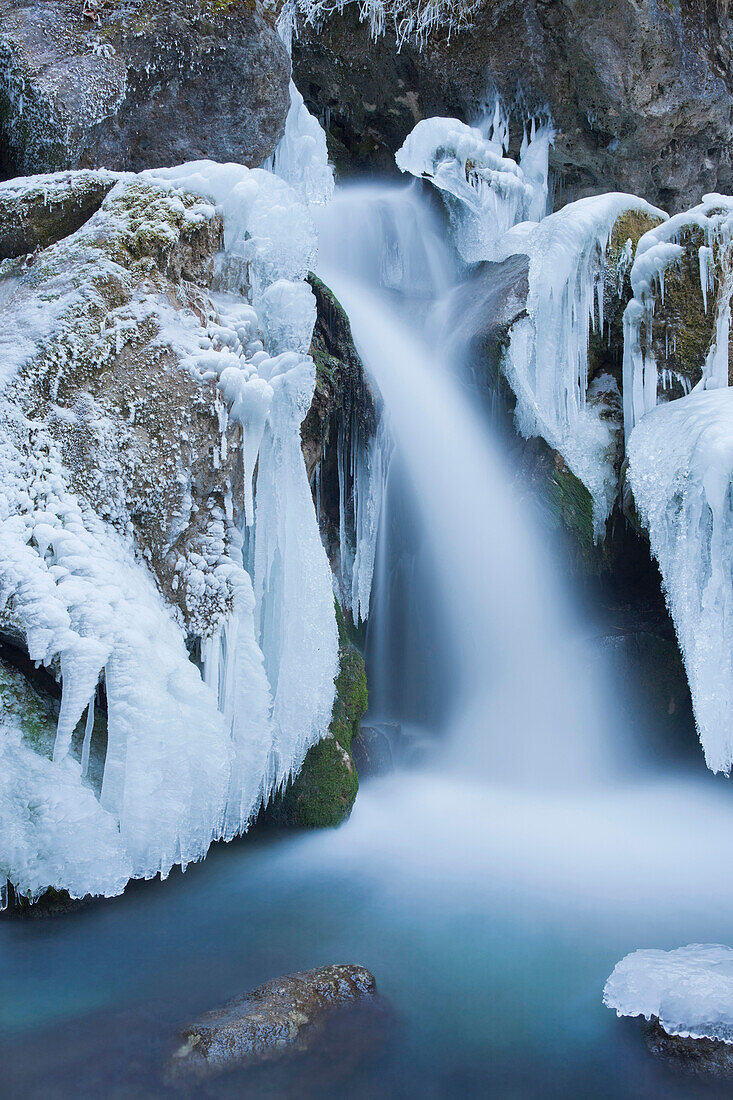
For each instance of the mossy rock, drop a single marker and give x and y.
(682, 330)
(323, 793)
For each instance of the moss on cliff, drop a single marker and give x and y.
(323, 793)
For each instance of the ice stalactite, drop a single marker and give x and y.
(546, 362)
(485, 191)
(276, 661)
(681, 473)
(708, 230)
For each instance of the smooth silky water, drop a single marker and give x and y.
(492, 886)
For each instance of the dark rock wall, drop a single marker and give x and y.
(640, 90)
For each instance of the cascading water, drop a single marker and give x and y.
(491, 910)
(513, 697)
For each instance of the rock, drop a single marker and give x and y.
(696, 1057)
(281, 1017)
(343, 401)
(639, 91)
(139, 85)
(35, 216)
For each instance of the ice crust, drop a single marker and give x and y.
(680, 470)
(546, 362)
(189, 759)
(689, 990)
(657, 252)
(486, 192)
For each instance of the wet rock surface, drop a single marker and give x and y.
(639, 90)
(127, 85)
(281, 1017)
(693, 1057)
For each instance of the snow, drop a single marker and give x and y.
(680, 471)
(689, 990)
(485, 191)
(546, 362)
(658, 251)
(189, 759)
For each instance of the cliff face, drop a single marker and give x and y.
(639, 90)
(128, 86)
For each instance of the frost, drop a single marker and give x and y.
(546, 362)
(689, 990)
(658, 251)
(680, 471)
(486, 192)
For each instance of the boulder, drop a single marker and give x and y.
(279, 1018)
(125, 85)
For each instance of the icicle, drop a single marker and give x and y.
(87, 736)
(546, 362)
(81, 664)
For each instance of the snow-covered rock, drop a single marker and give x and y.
(138, 397)
(677, 325)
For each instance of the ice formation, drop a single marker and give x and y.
(301, 156)
(681, 470)
(406, 19)
(658, 251)
(188, 759)
(689, 990)
(486, 192)
(546, 362)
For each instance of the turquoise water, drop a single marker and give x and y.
(491, 921)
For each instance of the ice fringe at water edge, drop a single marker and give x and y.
(546, 362)
(689, 990)
(660, 250)
(680, 471)
(486, 192)
(180, 771)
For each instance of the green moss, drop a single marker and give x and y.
(323, 793)
(683, 331)
(25, 710)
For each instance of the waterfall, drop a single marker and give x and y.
(516, 698)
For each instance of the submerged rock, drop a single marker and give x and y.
(130, 85)
(278, 1018)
